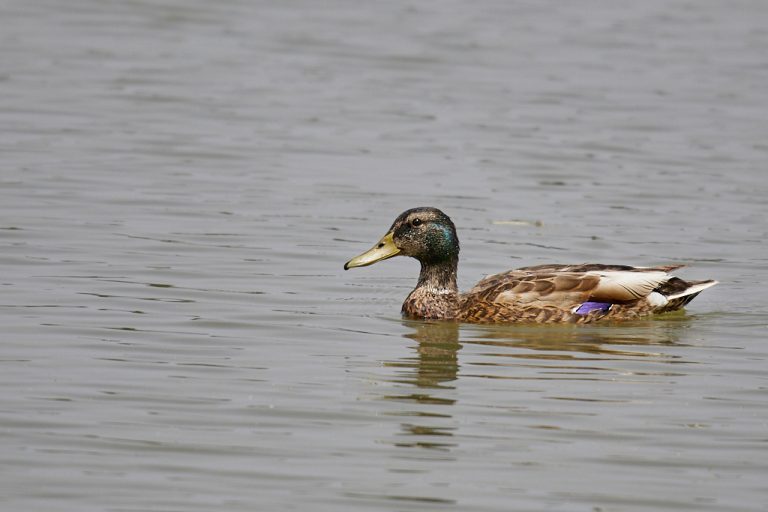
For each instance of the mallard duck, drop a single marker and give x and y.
(541, 294)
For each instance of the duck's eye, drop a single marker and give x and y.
(416, 223)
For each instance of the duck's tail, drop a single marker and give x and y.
(676, 293)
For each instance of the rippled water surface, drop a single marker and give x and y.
(182, 181)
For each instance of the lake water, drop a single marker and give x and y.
(182, 181)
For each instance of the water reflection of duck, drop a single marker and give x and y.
(435, 365)
(569, 341)
(440, 342)
(541, 294)
(558, 348)
(438, 347)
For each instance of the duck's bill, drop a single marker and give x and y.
(384, 249)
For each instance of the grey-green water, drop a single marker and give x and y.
(181, 182)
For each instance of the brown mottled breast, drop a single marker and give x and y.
(427, 304)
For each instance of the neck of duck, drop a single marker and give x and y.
(436, 295)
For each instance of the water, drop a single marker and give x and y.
(183, 181)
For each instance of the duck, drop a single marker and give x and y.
(550, 293)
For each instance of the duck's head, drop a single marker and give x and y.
(425, 233)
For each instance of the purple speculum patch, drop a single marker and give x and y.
(588, 307)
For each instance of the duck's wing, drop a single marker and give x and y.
(525, 287)
(570, 285)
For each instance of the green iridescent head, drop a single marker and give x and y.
(425, 233)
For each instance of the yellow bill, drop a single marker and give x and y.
(386, 248)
